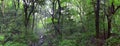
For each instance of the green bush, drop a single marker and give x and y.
(113, 41)
(15, 44)
(67, 43)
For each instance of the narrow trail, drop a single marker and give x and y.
(41, 34)
(40, 40)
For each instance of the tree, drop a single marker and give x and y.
(97, 9)
(111, 11)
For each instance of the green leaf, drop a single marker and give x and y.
(62, 1)
(2, 37)
(117, 2)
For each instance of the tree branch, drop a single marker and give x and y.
(117, 8)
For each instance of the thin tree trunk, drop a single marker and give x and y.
(53, 9)
(97, 8)
(59, 17)
(33, 21)
(104, 30)
(109, 27)
(25, 12)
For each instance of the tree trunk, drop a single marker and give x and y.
(109, 27)
(97, 8)
(59, 17)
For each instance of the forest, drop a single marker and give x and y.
(59, 23)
